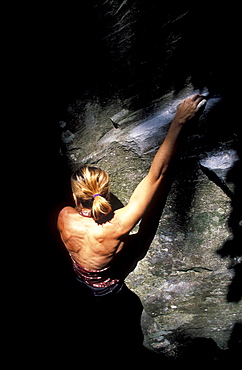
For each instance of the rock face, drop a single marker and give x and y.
(188, 281)
(182, 281)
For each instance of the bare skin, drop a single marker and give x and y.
(94, 245)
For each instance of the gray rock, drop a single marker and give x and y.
(182, 281)
(217, 166)
(220, 162)
(119, 117)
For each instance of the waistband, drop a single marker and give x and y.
(102, 291)
(96, 278)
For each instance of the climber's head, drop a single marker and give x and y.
(90, 187)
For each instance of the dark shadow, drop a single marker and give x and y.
(205, 351)
(185, 174)
(115, 202)
(235, 344)
(137, 245)
(200, 350)
(232, 247)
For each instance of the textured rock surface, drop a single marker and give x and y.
(182, 281)
(139, 63)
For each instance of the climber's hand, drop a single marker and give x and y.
(188, 108)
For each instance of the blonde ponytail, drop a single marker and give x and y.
(100, 207)
(90, 185)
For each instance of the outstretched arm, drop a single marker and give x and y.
(146, 190)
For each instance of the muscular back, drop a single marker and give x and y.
(91, 244)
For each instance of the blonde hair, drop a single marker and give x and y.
(90, 185)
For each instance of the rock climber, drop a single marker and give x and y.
(92, 232)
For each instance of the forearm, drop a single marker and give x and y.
(166, 152)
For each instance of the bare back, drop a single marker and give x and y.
(91, 244)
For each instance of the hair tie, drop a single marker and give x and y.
(96, 195)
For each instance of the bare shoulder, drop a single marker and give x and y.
(64, 214)
(118, 221)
